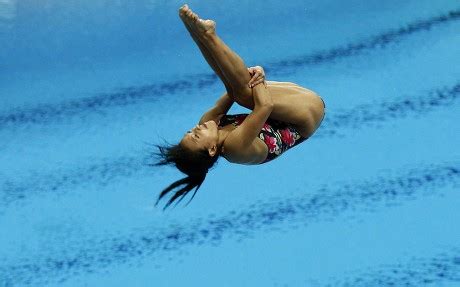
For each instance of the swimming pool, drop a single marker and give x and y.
(370, 200)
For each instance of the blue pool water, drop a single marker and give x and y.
(372, 199)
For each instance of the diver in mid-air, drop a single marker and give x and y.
(283, 115)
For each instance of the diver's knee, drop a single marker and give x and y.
(244, 97)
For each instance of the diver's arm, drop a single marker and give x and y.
(249, 129)
(222, 106)
(224, 103)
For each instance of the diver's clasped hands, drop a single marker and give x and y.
(258, 76)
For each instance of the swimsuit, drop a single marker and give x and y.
(277, 135)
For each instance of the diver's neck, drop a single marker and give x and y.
(223, 134)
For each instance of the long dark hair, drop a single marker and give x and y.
(195, 164)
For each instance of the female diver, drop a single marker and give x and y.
(283, 115)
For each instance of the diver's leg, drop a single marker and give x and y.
(230, 64)
(205, 53)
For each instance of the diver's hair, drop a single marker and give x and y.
(195, 164)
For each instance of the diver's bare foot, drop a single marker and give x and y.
(198, 25)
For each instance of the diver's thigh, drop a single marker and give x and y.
(244, 98)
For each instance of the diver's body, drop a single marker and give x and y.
(293, 104)
(283, 115)
(290, 103)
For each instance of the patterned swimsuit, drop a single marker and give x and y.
(277, 135)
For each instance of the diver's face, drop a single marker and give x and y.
(202, 137)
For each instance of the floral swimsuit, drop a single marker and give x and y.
(277, 135)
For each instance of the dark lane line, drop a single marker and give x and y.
(372, 43)
(104, 172)
(418, 271)
(327, 203)
(61, 181)
(49, 113)
(370, 115)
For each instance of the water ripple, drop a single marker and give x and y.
(88, 256)
(417, 272)
(48, 113)
(104, 171)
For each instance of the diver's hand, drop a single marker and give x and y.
(258, 76)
